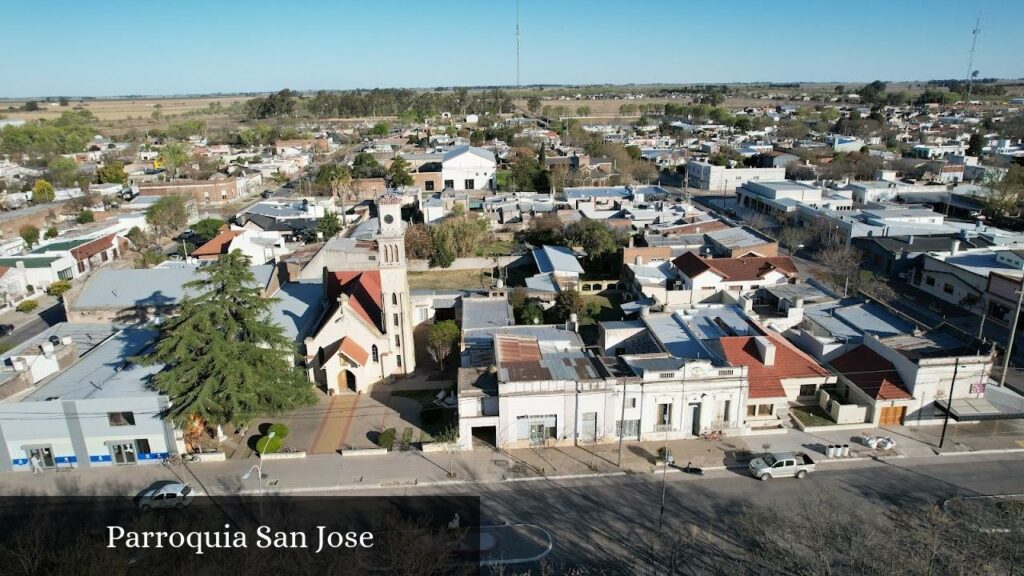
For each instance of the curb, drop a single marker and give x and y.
(982, 452)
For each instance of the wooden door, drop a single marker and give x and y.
(892, 416)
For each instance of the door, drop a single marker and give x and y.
(589, 429)
(123, 453)
(695, 419)
(892, 416)
(536, 433)
(44, 454)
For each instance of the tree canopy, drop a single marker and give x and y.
(112, 172)
(207, 228)
(398, 173)
(441, 340)
(42, 192)
(167, 214)
(30, 234)
(225, 360)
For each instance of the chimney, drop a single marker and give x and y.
(954, 247)
(573, 324)
(766, 349)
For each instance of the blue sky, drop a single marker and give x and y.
(118, 47)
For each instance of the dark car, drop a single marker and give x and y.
(6, 329)
(266, 194)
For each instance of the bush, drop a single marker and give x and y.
(387, 439)
(268, 445)
(27, 306)
(58, 288)
(279, 430)
(151, 258)
(86, 217)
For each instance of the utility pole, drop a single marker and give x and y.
(517, 45)
(1013, 332)
(970, 60)
(622, 423)
(949, 403)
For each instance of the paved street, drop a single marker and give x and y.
(27, 326)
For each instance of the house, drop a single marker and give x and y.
(557, 260)
(739, 242)
(723, 179)
(87, 253)
(201, 191)
(779, 198)
(733, 274)
(261, 247)
(468, 168)
(365, 334)
(961, 277)
(39, 271)
(93, 411)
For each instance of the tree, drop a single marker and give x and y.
(380, 129)
(58, 288)
(27, 306)
(174, 156)
(841, 268)
(533, 104)
(442, 256)
(208, 228)
(112, 173)
(167, 214)
(418, 243)
(1003, 196)
(329, 226)
(51, 232)
(30, 234)
(151, 258)
(545, 229)
(568, 302)
(441, 340)
(366, 166)
(136, 236)
(42, 192)
(974, 145)
(85, 217)
(600, 242)
(63, 171)
(224, 358)
(530, 313)
(398, 173)
(839, 89)
(793, 237)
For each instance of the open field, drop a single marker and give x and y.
(449, 280)
(120, 109)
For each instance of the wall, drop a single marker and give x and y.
(202, 191)
(465, 264)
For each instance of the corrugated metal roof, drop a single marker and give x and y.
(145, 287)
(556, 259)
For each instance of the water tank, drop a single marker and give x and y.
(66, 340)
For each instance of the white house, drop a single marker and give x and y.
(468, 168)
(738, 275)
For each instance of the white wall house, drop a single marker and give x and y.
(705, 176)
(468, 168)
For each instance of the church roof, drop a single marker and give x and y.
(363, 289)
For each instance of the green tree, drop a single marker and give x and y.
(599, 241)
(174, 155)
(167, 214)
(568, 302)
(224, 358)
(533, 104)
(151, 258)
(63, 171)
(398, 173)
(975, 145)
(442, 256)
(26, 306)
(136, 236)
(112, 173)
(329, 226)
(30, 234)
(380, 129)
(86, 217)
(530, 313)
(58, 288)
(366, 166)
(51, 232)
(441, 340)
(208, 228)
(42, 192)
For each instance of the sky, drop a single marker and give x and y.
(120, 47)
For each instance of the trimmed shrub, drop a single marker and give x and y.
(279, 430)
(387, 439)
(27, 306)
(268, 445)
(58, 288)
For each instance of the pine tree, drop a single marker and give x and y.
(225, 360)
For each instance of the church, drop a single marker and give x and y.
(365, 335)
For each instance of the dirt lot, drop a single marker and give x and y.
(450, 280)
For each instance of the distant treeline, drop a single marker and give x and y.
(403, 103)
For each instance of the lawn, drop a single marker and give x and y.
(450, 280)
(609, 307)
(811, 416)
(499, 247)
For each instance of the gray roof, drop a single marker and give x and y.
(460, 150)
(104, 372)
(640, 364)
(276, 210)
(556, 259)
(85, 336)
(146, 287)
(579, 193)
(298, 307)
(810, 293)
(737, 237)
(850, 321)
(480, 313)
(541, 283)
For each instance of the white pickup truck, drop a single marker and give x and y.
(781, 465)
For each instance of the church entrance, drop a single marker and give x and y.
(349, 380)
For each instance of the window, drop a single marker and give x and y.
(375, 353)
(666, 375)
(66, 274)
(399, 360)
(142, 446)
(929, 280)
(121, 418)
(630, 402)
(395, 318)
(947, 288)
(631, 428)
(469, 184)
(394, 299)
(664, 415)
(751, 410)
(449, 183)
(760, 409)
(398, 341)
(428, 185)
(807, 389)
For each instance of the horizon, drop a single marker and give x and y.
(219, 49)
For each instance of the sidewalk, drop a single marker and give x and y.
(322, 472)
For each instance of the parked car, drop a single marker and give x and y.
(6, 329)
(781, 465)
(173, 495)
(266, 194)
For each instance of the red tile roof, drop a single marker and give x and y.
(363, 289)
(217, 246)
(872, 373)
(353, 351)
(734, 269)
(90, 249)
(766, 381)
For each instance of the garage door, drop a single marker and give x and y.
(892, 416)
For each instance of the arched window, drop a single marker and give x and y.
(394, 299)
(376, 355)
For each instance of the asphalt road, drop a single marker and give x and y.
(43, 320)
(593, 520)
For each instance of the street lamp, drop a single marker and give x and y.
(259, 471)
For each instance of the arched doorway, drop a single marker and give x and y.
(347, 381)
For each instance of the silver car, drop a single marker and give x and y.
(173, 495)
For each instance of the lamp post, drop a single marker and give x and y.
(949, 403)
(664, 479)
(259, 472)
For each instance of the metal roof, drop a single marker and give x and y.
(460, 150)
(480, 313)
(146, 287)
(298, 307)
(29, 261)
(556, 259)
